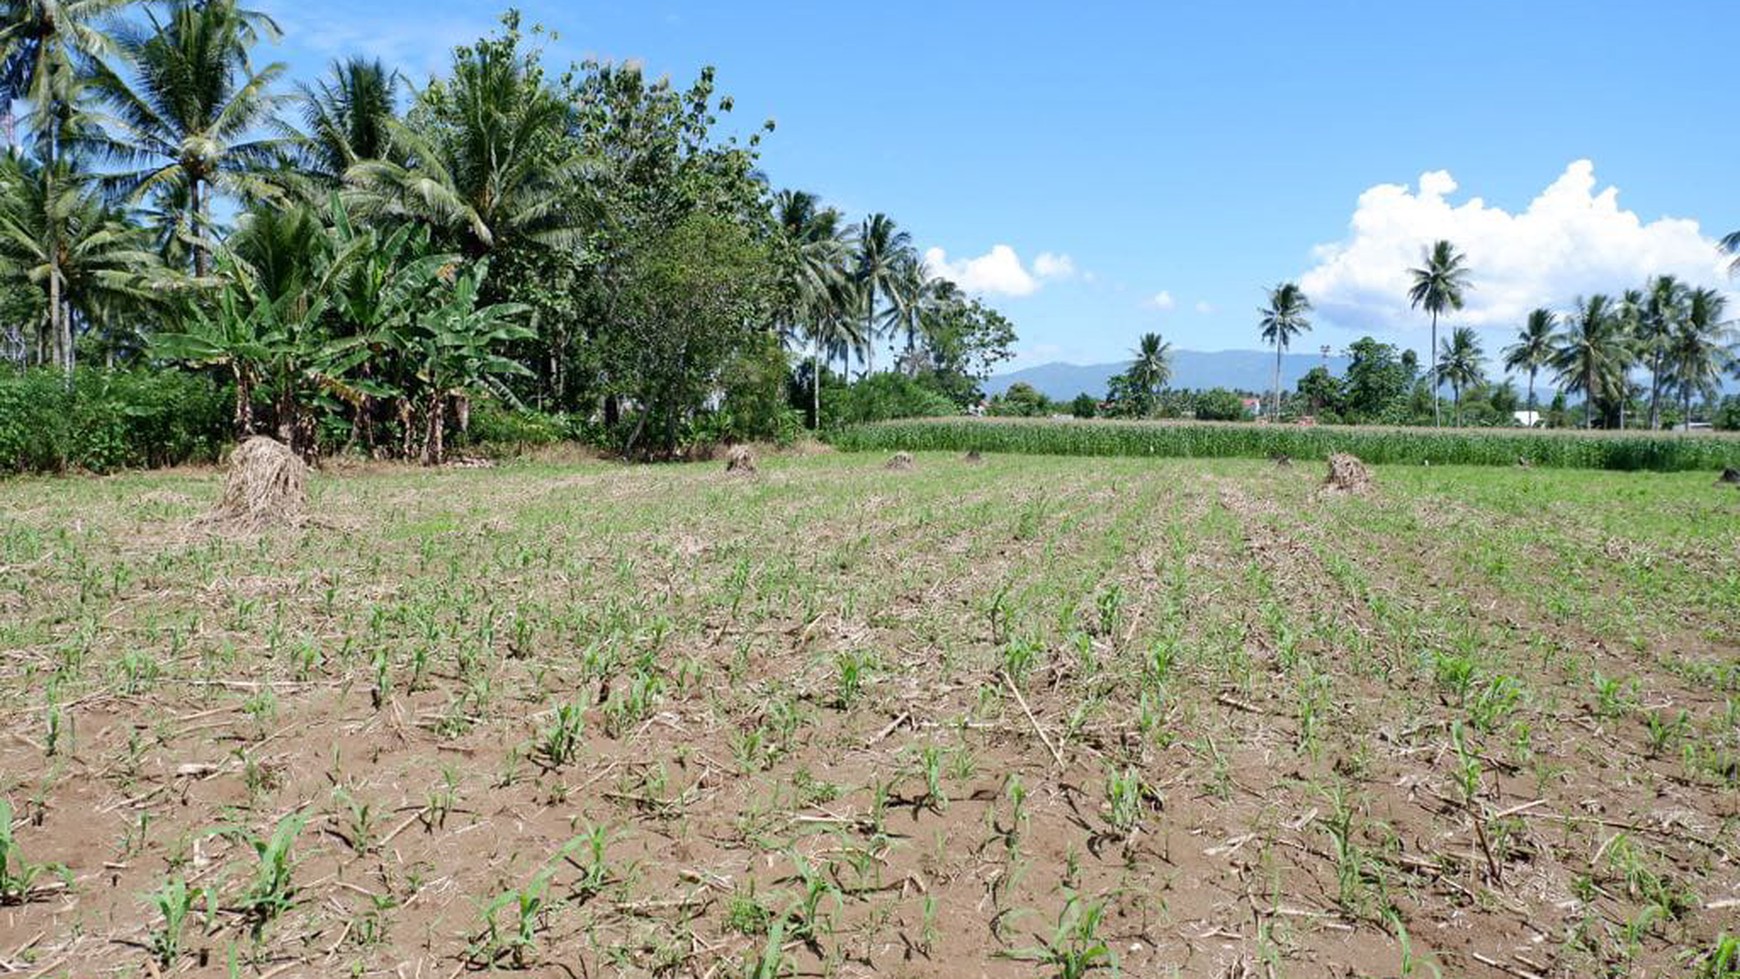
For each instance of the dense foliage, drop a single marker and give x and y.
(109, 420)
(362, 264)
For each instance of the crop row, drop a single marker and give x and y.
(1657, 452)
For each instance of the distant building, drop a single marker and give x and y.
(1253, 406)
(1529, 419)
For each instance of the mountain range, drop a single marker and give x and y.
(1238, 370)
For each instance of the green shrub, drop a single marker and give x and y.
(1481, 447)
(109, 420)
(882, 397)
(498, 426)
(1220, 405)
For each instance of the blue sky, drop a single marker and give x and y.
(1170, 161)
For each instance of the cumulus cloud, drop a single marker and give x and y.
(998, 272)
(1572, 239)
(1163, 300)
(1050, 266)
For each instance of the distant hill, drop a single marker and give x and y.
(1239, 370)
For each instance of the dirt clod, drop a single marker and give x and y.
(1347, 474)
(741, 460)
(901, 462)
(267, 485)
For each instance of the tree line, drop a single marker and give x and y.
(1678, 334)
(361, 260)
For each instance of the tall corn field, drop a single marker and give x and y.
(1659, 452)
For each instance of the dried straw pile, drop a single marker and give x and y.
(1347, 474)
(267, 485)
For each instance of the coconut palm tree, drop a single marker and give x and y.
(484, 159)
(1533, 349)
(1731, 245)
(817, 253)
(1590, 355)
(1629, 321)
(1460, 362)
(1701, 348)
(1284, 319)
(883, 249)
(1662, 312)
(838, 330)
(914, 296)
(59, 240)
(346, 119)
(1151, 371)
(1438, 286)
(44, 46)
(194, 112)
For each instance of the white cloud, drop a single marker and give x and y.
(997, 272)
(1163, 300)
(1049, 266)
(1204, 307)
(1571, 240)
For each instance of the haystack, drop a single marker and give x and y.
(267, 485)
(1730, 475)
(1347, 474)
(740, 460)
(901, 462)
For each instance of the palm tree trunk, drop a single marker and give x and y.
(196, 219)
(1277, 415)
(1655, 390)
(870, 332)
(55, 310)
(1589, 401)
(1532, 407)
(816, 386)
(1431, 357)
(66, 336)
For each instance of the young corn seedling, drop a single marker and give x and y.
(515, 937)
(18, 876)
(849, 683)
(560, 741)
(1075, 947)
(770, 962)
(808, 921)
(174, 901)
(1124, 799)
(272, 892)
